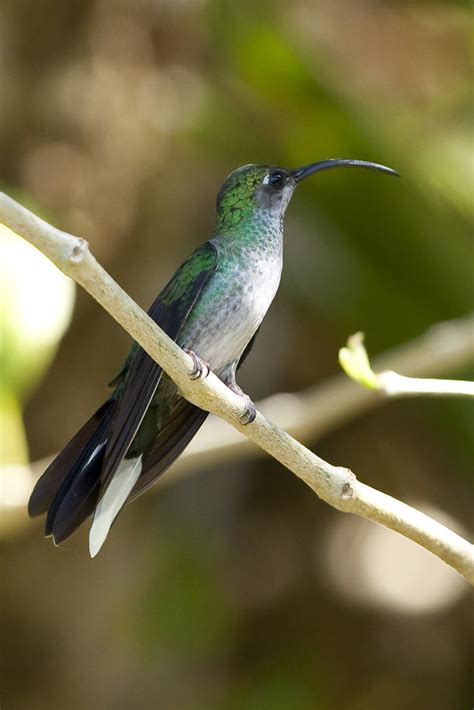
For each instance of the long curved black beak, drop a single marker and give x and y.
(302, 173)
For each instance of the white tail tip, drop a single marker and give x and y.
(112, 502)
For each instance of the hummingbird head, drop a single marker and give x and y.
(269, 189)
(254, 188)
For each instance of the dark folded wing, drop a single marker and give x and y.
(184, 420)
(138, 384)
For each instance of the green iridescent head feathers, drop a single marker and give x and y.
(248, 190)
(237, 192)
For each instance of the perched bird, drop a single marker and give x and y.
(212, 307)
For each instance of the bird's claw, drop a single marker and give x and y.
(250, 412)
(200, 369)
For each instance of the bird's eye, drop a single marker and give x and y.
(277, 179)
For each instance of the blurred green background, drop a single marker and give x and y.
(237, 588)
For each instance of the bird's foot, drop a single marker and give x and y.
(250, 412)
(201, 368)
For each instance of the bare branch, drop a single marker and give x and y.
(336, 485)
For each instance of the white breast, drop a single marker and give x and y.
(234, 316)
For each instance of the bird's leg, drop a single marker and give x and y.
(201, 368)
(250, 410)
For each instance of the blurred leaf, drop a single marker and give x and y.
(36, 301)
(13, 446)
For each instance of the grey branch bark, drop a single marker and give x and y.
(336, 485)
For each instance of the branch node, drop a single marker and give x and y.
(79, 250)
(347, 491)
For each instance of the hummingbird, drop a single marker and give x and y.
(212, 308)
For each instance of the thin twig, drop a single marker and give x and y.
(336, 485)
(394, 385)
(355, 362)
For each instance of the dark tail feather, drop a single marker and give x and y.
(79, 461)
(48, 485)
(77, 501)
